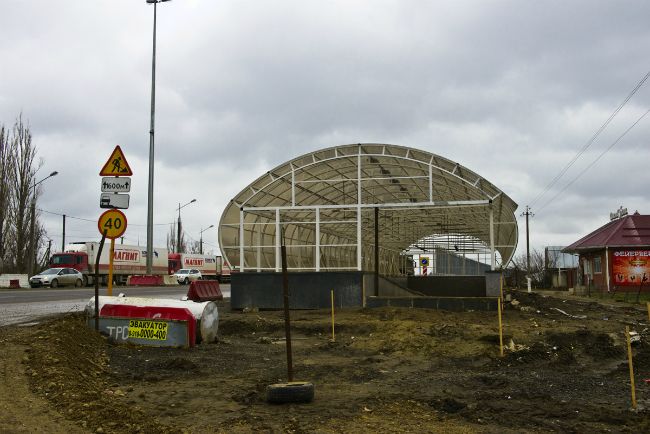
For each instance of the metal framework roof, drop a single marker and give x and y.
(323, 203)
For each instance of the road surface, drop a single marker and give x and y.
(22, 306)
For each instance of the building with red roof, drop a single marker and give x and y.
(615, 256)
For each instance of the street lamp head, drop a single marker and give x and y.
(193, 200)
(54, 173)
(211, 226)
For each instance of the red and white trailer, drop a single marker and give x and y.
(127, 261)
(210, 266)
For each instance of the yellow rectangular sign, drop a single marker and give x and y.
(154, 330)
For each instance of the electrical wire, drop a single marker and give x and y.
(589, 142)
(595, 161)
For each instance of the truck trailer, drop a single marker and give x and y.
(127, 261)
(211, 266)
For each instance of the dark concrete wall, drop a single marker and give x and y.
(448, 286)
(457, 304)
(307, 290)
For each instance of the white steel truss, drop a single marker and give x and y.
(323, 204)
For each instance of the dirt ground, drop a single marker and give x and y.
(389, 370)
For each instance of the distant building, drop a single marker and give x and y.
(561, 268)
(616, 255)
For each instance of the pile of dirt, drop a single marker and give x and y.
(388, 370)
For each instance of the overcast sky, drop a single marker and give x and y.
(510, 89)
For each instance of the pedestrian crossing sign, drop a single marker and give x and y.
(116, 165)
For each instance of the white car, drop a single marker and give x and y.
(54, 277)
(187, 275)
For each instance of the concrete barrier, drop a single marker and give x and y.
(204, 290)
(145, 280)
(170, 280)
(6, 281)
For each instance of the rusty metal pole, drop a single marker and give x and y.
(99, 253)
(287, 321)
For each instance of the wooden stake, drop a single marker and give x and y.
(648, 306)
(629, 362)
(332, 298)
(500, 329)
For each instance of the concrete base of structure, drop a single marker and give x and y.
(456, 304)
(311, 290)
(308, 290)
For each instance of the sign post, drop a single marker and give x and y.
(111, 224)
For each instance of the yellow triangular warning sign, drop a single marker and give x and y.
(116, 165)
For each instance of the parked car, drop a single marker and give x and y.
(54, 277)
(187, 275)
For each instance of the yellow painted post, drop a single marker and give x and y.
(648, 306)
(629, 362)
(500, 329)
(109, 290)
(501, 289)
(332, 298)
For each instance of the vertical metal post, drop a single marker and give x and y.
(151, 150)
(32, 236)
(317, 239)
(359, 265)
(109, 289)
(377, 251)
(287, 320)
(278, 262)
(430, 183)
(492, 258)
(259, 248)
(63, 237)
(99, 254)
(241, 240)
(293, 186)
(606, 268)
(178, 234)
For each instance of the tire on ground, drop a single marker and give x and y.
(296, 391)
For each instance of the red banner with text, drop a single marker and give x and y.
(631, 267)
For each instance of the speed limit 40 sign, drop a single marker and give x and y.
(113, 222)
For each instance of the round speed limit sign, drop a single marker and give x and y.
(113, 222)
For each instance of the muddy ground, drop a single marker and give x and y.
(389, 370)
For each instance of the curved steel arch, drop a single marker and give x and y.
(323, 203)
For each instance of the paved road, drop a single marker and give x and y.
(28, 305)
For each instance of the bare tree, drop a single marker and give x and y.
(23, 162)
(537, 266)
(6, 175)
(172, 240)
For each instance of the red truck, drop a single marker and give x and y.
(132, 260)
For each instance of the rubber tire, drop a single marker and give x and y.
(186, 281)
(296, 391)
(78, 283)
(54, 283)
(85, 281)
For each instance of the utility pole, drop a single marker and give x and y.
(63, 237)
(527, 213)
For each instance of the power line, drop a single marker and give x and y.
(595, 161)
(95, 221)
(590, 141)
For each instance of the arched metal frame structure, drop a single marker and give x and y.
(324, 202)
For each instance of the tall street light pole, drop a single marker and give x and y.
(178, 242)
(201, 234)
(32, 230)
(151, 142)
